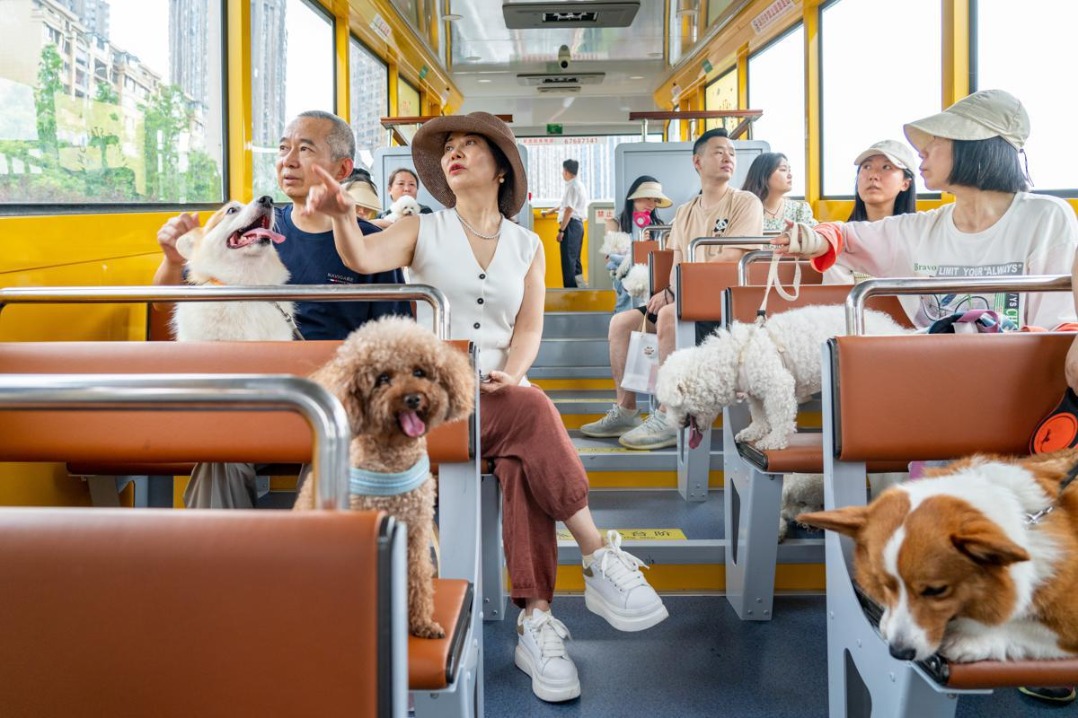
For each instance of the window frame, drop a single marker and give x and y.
(794, 26)
(42, 209)
(352, 37)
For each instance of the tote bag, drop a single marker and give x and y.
(642, 362)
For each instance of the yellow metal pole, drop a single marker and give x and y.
(742, 81)
(955, 66)
(813, 182)
(240, 120)
(342, 46)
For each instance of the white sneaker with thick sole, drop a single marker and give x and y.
(615, 589)
(616, 422)
(541, 654)
(655, 433)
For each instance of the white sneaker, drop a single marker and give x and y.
(616, 422)
(615, 589)
(541, 654)
(655, 433)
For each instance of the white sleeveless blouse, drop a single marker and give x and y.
(483, 303)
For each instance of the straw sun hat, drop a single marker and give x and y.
(429, 143)
(652, 190)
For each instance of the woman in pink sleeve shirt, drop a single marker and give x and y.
(995, 227)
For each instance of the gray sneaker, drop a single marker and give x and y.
(616, 422)
(655, 433)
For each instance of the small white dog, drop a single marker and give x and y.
(616, 243)
(775, 365)
(637, 281)
(406, 206)
(801, 494)
(234, 247)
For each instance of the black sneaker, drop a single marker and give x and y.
(1049, 695)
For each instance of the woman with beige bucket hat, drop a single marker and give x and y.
(493, 271)
(972, 150)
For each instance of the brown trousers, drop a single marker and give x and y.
(542, 482)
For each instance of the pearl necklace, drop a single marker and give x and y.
(471, 229)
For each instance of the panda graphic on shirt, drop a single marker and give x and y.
(720, 227)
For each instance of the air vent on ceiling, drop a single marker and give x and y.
(563, 90)
(568, 79)
(529, 15)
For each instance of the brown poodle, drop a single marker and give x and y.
(397, 381)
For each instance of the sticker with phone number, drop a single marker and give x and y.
(637, 535)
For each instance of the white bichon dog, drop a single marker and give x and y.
(616, 243)
(775, 365)
(406, 206)
(637, 281)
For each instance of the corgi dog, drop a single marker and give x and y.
(405, 206)
(234, 247)
(978, 561)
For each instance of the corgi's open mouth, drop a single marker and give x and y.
(412, 424)
(258, 232)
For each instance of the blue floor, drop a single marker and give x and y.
(702, 661)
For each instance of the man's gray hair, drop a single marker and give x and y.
(342, 143)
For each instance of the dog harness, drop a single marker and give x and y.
(377, 483)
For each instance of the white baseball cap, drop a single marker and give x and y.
(900, 155)
(980, 116)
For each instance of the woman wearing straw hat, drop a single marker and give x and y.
(359, 187)
(971, 150)
(645, 195)
(493, 271)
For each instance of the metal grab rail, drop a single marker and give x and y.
(659, 231)
(855, 301)
(191, 392)
(184, 293)
(698, 242)
(756, 255)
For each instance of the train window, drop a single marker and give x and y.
(369, 81)
(117, 103)
(777, 86)
(292, 70)
(596, 157)
(1012, 51)
(867, 62)
(721, 94)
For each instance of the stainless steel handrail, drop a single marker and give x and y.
(755, 255)
(855, 301)
(698, 242)
(185, 293)
(659, 231)
(190, 392)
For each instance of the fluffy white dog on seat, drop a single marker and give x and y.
(774, 365)
(406, 206)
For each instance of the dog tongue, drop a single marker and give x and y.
(412, 425)
(253, 235)
(695, 435)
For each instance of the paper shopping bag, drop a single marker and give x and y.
(641, 363)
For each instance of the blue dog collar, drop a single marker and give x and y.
(376, 483)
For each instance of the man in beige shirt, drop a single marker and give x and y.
(719, 210)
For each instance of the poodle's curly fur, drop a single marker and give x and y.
(405, 206)
(775, 365)
(616, 243)
(394, 379)
(637, 281)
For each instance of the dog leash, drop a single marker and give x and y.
(773, 278)
(1036, 518)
